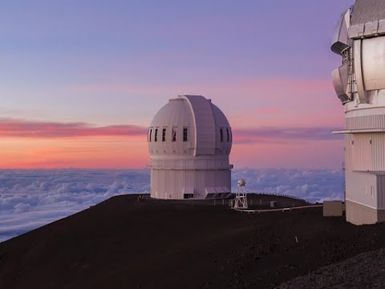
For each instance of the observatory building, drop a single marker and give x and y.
(360, 85)
(189, 143)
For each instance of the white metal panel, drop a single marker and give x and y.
(170, 184)
(375, 121)
(340, 78)
(361, 152)
(373, 63)
(357, 47)
(368, 10)
(365, 152)
(204, 124)
(381, 26)
(356, 30)
(361, 188)
(371, 28)
(221, 122)
(378, 152)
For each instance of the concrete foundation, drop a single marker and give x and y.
(358, 214)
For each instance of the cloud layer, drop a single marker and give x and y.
(26, 128)
(40, 129)
(32, 198)
(311, 185)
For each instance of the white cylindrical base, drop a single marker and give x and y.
(189, 184)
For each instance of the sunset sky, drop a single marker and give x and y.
(81, 80)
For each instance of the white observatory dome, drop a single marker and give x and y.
(189, 143)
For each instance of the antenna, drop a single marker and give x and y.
(240, 201)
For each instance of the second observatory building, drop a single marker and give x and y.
(360, 85)
(189, 142)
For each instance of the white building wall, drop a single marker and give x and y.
(361, 188)
(174, 184)
(365, 152)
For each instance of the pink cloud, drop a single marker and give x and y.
(49, 144)
(283, 134)
(36, 129)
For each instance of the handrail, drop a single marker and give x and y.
(277, 210)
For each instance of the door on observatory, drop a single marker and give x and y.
(190, 181)
(361, 152)
(381, 191)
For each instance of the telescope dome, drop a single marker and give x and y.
(190, 141)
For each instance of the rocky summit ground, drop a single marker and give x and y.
(367, 270)
(132, 242)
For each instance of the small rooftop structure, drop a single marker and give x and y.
(333, 208)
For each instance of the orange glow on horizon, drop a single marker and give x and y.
(74, 152)
(131, 153)
(46, 145)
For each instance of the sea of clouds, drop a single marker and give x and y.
(310, 185)
(32, 198)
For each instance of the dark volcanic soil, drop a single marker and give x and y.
(365, 270)
(129, 243)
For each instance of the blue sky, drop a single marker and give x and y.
(50, 47)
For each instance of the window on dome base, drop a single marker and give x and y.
(164, 135)
(149, 135)
(185, 134)
(173, 134)
(156, 135)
